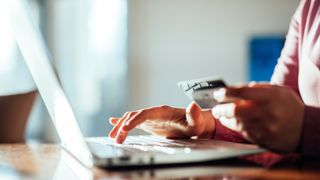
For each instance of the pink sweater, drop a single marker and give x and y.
(298, 68)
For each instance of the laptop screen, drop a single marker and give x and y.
(37, 58)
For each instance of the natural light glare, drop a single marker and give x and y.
(7, 45)
(107, 36)
(62, 112)
(67, 126)
(105, 15)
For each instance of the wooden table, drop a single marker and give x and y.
(48, 161)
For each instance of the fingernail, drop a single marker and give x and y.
(219, 95)
(113, 133)
(111, 119)
(118, 139)
(110, 135)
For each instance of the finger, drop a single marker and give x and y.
(121, 136)
(153, 113)
(113, 120)
(256, 92)
(224, 110)
(230, 123)
(249, 118)
(246, 136)
(254, 132)
(193, 113)
(241, 109)
(135, 120)
(115, 129)
(246, 110)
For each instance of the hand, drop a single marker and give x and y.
(269, 115)
(165, 121)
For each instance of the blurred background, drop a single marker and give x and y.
(114, 56)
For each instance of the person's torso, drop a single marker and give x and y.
(309, 54)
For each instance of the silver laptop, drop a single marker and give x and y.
(102, 151)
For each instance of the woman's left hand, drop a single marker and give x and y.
(269, 115)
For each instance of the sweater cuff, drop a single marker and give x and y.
(310, 136)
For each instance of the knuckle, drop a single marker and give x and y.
(141, 113)
(126, 114)
(131, 114)
(163, 107)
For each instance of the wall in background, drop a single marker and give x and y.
(172, 40)
(88, 42)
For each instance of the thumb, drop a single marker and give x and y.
(193, 113)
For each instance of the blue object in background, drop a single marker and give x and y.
(264, 54)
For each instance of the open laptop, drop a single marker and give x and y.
(102, 151)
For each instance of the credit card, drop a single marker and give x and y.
(201, 90)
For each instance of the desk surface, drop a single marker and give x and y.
(48, 161)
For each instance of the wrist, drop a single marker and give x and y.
(209, 124)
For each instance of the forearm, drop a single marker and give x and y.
(14, 112)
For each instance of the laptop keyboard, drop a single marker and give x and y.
(154, 144)
(137, 144)
(147, 141)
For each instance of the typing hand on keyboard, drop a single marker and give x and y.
(165, 121)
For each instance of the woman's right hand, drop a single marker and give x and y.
(165, 121)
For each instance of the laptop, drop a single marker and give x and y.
(136, 151)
